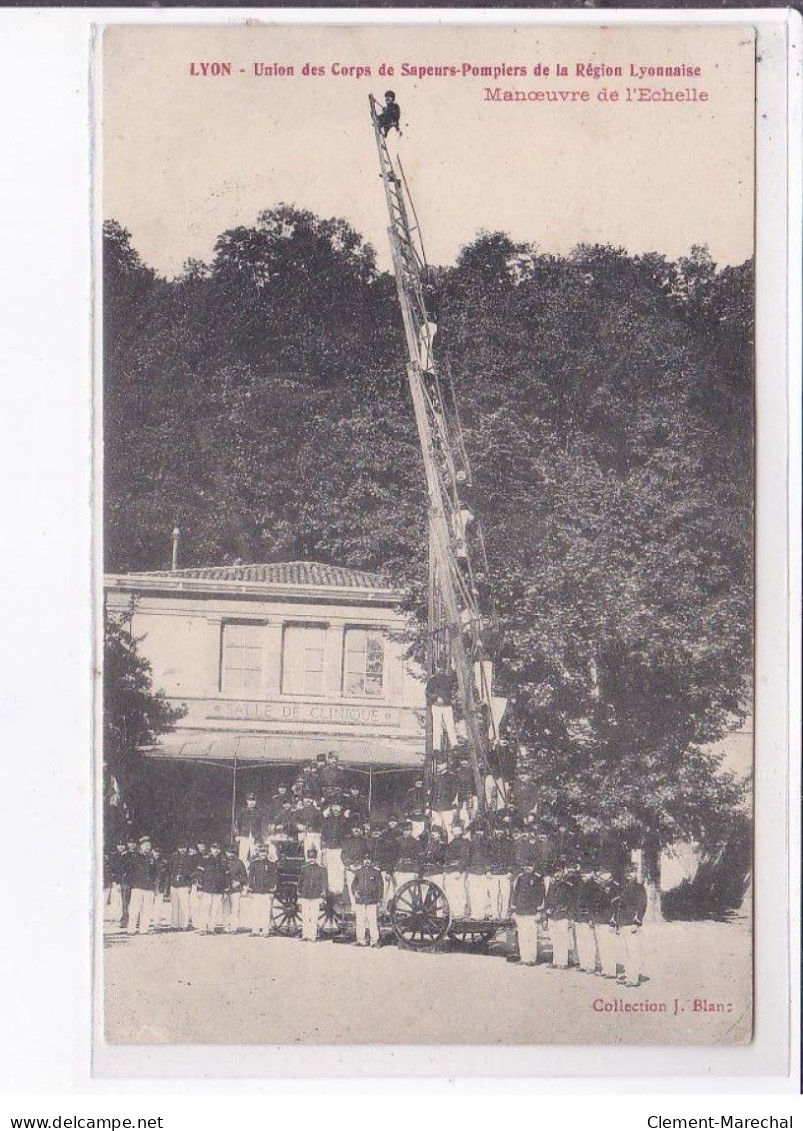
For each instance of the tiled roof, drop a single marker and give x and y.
(281, 573)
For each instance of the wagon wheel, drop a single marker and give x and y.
(419, 913)
(286, 918)
(474, 935)
(331, 920)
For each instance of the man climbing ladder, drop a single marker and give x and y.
(456, 618)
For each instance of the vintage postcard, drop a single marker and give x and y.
(426, 410)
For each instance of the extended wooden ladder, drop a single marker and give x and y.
(455, 621)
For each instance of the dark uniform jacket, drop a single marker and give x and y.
(333, 777)
(410, 853)
(143, 871)
(310, 817)
(561, 899)
(213, 875)
(465, 783)
(444, 791)
(441, 686)
(354, 849)
(119, 867)
(528, 894)
(527, 854)
(387, 850)
(479, 857)
(181, 870)
(334, 829)
(312, 881)
(590, 902)
(434, 857)
(632, 905)
(273, 809)
(503, 854)
(368, 885)
(525, 797)
(248, 822)
(457, 855)
(414, 802)
(238, 873)
(264, 876)
(607, 901)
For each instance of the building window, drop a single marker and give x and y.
(363, 670)
(241, 669)
(302, 659)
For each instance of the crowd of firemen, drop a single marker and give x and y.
(501, 865)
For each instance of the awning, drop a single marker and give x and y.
(254, 749)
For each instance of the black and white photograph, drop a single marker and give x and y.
(426, 415)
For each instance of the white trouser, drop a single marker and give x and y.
(484, 677)
(494, 792)
(113, 909)
(335, 872)
(366, 915)
(418, 826)
(498, 708)
(180, 908)
(586, 941)
(500, 894)
(140, 911)
(245, 846)
(261, 912)
(560, 932)
(456, 891)
(527, 930)
(310, 910)
(350, 875)
(442, 723)
(195, 906)
(426, 334)
(479, 895)
(443, 819)
(231, 911)
(389, 888)
(161, 910)
(311, 840)
(609, 947)
(210, 907)
(631, 947)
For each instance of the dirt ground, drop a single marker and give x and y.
(186, 988)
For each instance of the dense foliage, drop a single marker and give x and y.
(134, 712)
(258, 402)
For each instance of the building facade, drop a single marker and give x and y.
(275, 664)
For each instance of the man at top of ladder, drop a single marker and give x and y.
(391, 115)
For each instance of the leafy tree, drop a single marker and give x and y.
(260, 402)
(134, 714)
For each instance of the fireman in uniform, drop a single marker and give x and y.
(312, 881)
(455, 869)
(333, 832)
(479, 873)
(180, 884)
(408, 857)
(237, 884)
(248, 828)
(368, 890)
(415, 806)
(527, 902)
(629, 917)
(262, 881)
(561, 901)
(143, 878)
(213, 879)
(352, 854)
